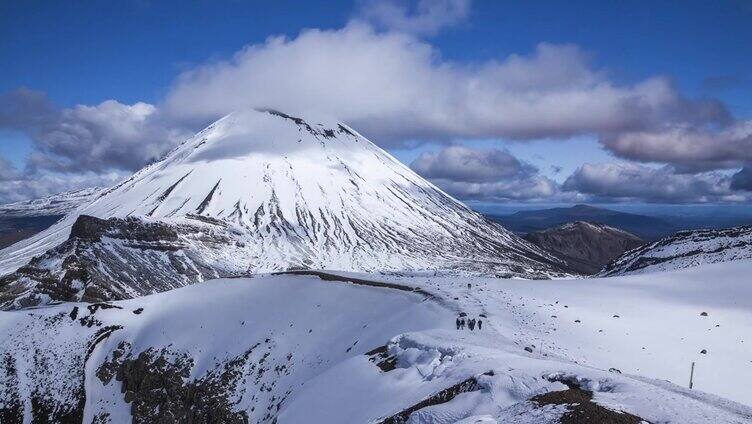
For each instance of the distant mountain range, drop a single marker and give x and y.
(23, 219)
(643, 226)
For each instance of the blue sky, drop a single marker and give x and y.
(86, 53)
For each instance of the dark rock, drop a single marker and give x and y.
(444, 396)
(581, 409)
(585, 247)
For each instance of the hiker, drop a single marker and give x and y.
(462, 324)
(469, 285)
(471, 324)
(458, 323)
(480, 324)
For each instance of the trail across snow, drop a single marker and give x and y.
(651, 325)
(297, 345)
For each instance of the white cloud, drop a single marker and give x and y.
(483, 174)
(101, 138)
(460, 163)
(687, 147)
(393, 87)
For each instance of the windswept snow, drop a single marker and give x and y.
(301, 349)
(685, 249)
(57, 204)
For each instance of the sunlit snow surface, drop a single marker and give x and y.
(299, 194)
(320, 330)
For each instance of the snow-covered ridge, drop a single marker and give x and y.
(56, 204)
(292, 349)
(685, 249)
(281, 193)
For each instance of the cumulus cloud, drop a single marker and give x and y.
(483, 174)
(393, 86)
(460, 163)
(101, 138)
(424, 17)
(379, 76)
(629, 181)
(688, 147)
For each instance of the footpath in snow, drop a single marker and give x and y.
(299, 348)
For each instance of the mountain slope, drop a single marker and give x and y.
(56, 204)
(23, 219)
(584, 246)
(279, 193)
(685, 249)
(645, 227)
(291, 349)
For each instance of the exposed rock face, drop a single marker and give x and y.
(261, 191)
(584, 246)
(157, 385)
(123, 258)
(685, 249)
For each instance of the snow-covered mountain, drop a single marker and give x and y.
(685, 249)
(585, 246)
(291, 349)
(56, 204)
(21, 220)
(260, 191)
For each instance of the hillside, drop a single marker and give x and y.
(292, 349)
(260, 191)
(643, 226)
(685, 249)
(585, 247)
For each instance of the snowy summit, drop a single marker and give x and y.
(261, 191)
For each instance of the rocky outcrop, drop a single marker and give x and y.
(585, 247)
(157, 385)
(228, 201)
(685, 249)
(120, 258)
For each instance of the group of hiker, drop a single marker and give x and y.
(471, 323)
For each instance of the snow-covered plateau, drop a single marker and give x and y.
(384, 348)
